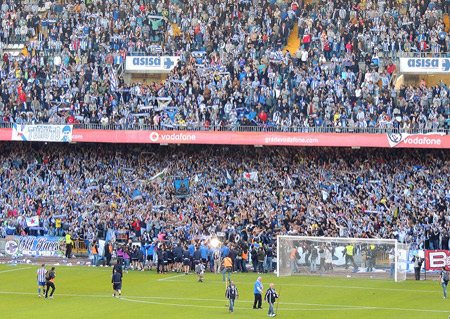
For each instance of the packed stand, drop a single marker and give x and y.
(233, 71)
(240, 195)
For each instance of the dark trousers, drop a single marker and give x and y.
(258, 299)
(417, 273)
(160, 267)
(52, 285)
(108, 260)
(68, 250)
(349, 259)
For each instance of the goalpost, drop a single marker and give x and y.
(342, 257)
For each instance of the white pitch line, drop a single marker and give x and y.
(167, 278)
(321, 286)
(14, 269)
(336, 307)
(246, 308)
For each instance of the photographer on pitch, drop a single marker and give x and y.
(417, 265)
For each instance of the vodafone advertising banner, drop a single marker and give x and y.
(436, 259)
(265, 138)
(400, 140)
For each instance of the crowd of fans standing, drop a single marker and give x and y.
(91, 189)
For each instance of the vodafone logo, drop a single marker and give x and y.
(154, 136)
(174, 137)
(423, 141)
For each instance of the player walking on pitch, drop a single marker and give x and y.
(443, 280)
(270, 297)
(117, 283)
(41, 272)
(231, 294)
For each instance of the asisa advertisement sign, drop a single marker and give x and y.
(424, 65)
(150, 64)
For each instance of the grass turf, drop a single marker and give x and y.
(83, 292)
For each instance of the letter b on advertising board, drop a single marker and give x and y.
(436, 259)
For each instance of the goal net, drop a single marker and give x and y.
(341, 257)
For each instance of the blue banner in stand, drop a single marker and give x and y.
(42, 133)
(181, 188)
(41, 246)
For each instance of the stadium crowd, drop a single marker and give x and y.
(241, 194)
(233, 70)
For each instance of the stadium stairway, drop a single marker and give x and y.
(293, 42)
(447, 22)
(176, 29)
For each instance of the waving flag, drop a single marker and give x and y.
(32, 221)
(229, 179)
(250, 177)
(137, 194)
(160, 175)
(113, 79)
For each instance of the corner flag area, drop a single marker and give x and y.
(83, 292)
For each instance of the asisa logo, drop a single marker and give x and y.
(429, 63)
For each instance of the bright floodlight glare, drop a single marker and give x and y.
(215, 242)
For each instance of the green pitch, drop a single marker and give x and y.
(83, 292)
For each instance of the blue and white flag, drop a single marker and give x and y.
(113, 79)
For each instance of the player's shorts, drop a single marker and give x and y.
(41, 283)
(170, 261)
(149, 257)
(117, 286)
(178, 259)
(186, 262)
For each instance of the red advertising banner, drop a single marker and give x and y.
(436, 259)
(400, 140)
(5, 134)
(264, 138)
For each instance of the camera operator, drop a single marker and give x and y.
(417, 265)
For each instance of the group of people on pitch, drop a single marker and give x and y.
(270, 297)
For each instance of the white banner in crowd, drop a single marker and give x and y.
(425, 65)
(150, 64)
(42, 133)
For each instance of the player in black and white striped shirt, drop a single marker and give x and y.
(41, 272)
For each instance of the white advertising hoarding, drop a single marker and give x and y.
(150, 64)
(425, 65)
